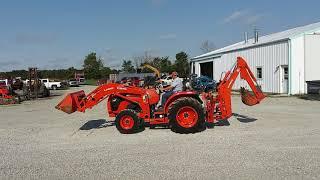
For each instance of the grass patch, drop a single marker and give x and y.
(92, 82)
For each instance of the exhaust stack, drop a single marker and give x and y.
(256, 36)
(246, 38)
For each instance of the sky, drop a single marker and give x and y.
(60, 33)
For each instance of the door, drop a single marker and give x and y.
(284, 79)
(206, 69)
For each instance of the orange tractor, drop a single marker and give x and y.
(6, 97)
(184, 112)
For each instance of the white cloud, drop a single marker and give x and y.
(243, 16)
(168, 36)
(254, 18)
(235, 16)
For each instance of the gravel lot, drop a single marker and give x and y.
(278, 139)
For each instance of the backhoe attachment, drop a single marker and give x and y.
(224, 89)
(248, 98)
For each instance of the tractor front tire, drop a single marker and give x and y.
(128, 122)
(186, 115)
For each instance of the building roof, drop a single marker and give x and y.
(276, 37)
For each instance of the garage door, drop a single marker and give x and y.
(206, 69)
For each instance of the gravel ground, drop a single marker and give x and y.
(278, 139)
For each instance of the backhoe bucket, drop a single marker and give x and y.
(248, 98)
(71, 102)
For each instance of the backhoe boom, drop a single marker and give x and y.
(226, 84)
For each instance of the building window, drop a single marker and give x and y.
(259, 73)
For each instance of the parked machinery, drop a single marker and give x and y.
(184, 112)
(20, 89)
(202, 83)
(6, 97)
(79, 76)
(35, 87)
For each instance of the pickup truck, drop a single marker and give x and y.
(73, 82)
(166, 80)
(51, 84)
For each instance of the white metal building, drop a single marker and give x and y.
(282, 62)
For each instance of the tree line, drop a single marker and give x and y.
(163, 64)
(94, 68)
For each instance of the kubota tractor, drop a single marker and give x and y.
(184, 112)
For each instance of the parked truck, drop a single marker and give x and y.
(79, 76)
(51, 84)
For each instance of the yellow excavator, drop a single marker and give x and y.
(155, 70)
(152, 81)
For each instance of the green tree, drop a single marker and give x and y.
(92, 66)
(182, 64)
(127, 66)
(156, 62)
(165, 65)
(105, 72)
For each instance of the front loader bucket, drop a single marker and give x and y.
(248, 98)
(71, 102)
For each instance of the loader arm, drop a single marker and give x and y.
(155, 70)
(78, 101)
(226, 84)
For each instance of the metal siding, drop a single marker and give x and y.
(297, 66)
(266, 40)
(269, 57)
(197, 68)
(312, 54)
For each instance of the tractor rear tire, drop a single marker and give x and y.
(186, 115)
(128, 122)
